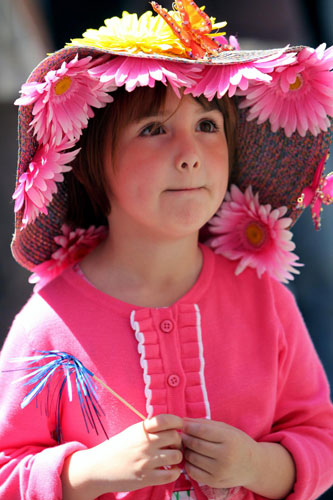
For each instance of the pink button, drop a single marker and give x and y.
(166, 325)
(173, 380)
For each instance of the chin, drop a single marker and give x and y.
(186, 227)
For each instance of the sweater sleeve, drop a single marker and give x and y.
(30, 460)
(303, 421)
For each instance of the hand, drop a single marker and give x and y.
(218, 454)
(144, 454)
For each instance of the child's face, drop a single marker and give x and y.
(170, 173)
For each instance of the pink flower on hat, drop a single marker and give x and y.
(254, 234)
(139, 72)
(319, 192)
(62, 104)
(37, 185)
(74, 244)
(299, 97)
(217, 80)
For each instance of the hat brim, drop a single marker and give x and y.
(277, 166)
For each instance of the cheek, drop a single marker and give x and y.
(216, 149)
(219, 177)
(133, 187)
(218, 165)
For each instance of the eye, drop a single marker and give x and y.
(207, 126)
(152, 129)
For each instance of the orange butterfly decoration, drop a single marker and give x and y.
(194, 29)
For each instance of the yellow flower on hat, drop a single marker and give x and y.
(148, 34)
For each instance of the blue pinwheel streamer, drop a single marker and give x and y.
(66, 367)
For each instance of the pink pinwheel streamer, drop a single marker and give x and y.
(299, 97)
(320, 192)
(255, 235)
(137, 72)
(37, 185)
(73, 246)
(62, 104)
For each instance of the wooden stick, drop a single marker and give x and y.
(120, 398)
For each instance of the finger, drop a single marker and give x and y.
(164, 476)
(169, 439)
(166, 458)
(206, 464)
(198, 474)
(165, 439)
(204, 429)
(152, 437)
(201, 446)
(163, 422)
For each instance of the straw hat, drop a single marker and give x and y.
(284, 105)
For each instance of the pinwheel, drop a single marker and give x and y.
(67, 367)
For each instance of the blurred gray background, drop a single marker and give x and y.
(31, 28)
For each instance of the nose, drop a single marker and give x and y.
(188, 165)
(187, 158)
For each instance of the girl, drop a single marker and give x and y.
(234, 398)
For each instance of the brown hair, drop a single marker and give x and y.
(88, 197)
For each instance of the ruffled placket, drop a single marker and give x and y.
(171, 350)
(172, 360)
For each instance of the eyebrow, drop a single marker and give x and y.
(167, 113)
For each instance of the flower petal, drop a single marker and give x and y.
(254, 234)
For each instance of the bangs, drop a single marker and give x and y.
(133, 106)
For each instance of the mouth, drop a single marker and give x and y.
(185, 189)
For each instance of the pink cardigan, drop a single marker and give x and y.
(232, 349)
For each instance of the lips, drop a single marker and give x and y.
(186, 189)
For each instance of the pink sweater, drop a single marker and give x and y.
(232, 349)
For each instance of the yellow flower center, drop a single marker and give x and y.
(62, 85)
(297, 83)
(255, 234)
(300, 200)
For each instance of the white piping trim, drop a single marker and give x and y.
(143, 362)
(202, 362)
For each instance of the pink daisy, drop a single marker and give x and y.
(138, 72)
(73, 246)
(62, 103)
(38, 184)
(220, 79)
(299, 97)
(320, 192)
(254, 234)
